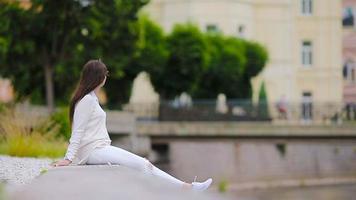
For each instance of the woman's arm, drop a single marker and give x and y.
(83, 111)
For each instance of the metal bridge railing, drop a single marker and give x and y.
(245, 110)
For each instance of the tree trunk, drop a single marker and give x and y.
(49, 87)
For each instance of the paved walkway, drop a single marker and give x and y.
(104, 182)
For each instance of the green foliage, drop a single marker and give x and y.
(22, 135)
(257, 58)
(187, 59)
(113, 31)
(43, 171)
(2, 107)
(152, 51)
(281, 147)
(17, 51)
(62, 36)
(3, 195)
(61, 118)
(262, 96)
(225, 69)
(263, 102)
(223, 185)
(206, 64)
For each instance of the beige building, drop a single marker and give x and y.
(303, 38)
(349, 50)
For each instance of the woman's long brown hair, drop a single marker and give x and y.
(92, 75)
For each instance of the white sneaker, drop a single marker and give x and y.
(201, 186)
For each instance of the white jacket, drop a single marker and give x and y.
(88, 129)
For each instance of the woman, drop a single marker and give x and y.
(90, 142)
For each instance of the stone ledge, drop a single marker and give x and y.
(104, 182)
(237, 129)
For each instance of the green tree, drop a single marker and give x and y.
(204, 64)
(263, 102)
(256, 57)
(225, 69)
(188, 58)
(152, 51)
(38, 38)
(51, 40)
(233, 62)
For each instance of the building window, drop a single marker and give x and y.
(241, 31)
(349, 72)
(307, 7)
(307, 106)
(307, 53)
(212, 28)
(348, 18)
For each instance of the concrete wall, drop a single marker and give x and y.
(244, 152)
(246, 160)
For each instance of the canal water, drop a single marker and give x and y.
(333, 192)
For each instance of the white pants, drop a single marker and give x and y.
(115, 155)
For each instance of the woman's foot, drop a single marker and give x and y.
(201, 186)
(187, 185)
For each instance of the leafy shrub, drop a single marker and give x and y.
(23, 136)
(223, 185)
(60, 117)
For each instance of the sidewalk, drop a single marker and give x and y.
(104, 182)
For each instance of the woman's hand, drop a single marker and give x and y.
(61, 163)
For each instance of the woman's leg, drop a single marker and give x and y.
(115, 155)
